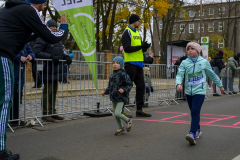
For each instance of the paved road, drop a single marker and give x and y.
(160, 137)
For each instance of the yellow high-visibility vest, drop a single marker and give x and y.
(135, 41)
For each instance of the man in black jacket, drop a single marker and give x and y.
(20, 22)
(219, 65)
(52, 71)
(133, 56)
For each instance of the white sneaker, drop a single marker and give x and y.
(129, 125)
(119, 132)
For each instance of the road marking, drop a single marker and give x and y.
(237, 158)
(213, 118)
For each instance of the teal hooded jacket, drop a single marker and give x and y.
(195, 76)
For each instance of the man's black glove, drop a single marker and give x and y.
(55, 60)
(145, 45)
(68, 60)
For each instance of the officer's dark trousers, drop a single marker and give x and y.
(136, 75)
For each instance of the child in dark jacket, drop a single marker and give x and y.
(148, 85)
(119, 87)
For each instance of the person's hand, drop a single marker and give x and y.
(55, 60)
(222, 90)
(68, 60)
(120, 90)
(151, 55)
(64, 20)
(145, 45)
(179, 88)
(29, 57)
(103, 93)
(23, 59)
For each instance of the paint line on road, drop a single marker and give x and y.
(237, 158)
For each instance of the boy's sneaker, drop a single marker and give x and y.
(198, 133)
(129, 125)
(7, 155)
(119, 132)
(216, 94)
(127, 115)
(142, 114)
(191, 138)
(233, 92)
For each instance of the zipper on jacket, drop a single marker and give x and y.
(193, 73)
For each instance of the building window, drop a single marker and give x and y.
(191, 13)
(202, 12)
(220, 43)
(160, 24)
(211, 44)
(211, 27)
(199, 27)
(220, 26)
(221, 10)
(160, 38)
(182, 28)
(174, 29)
(191, 28)
(182, 14)
(211, 11)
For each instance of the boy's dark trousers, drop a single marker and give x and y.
(136, 75)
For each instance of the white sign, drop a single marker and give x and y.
(204, 46)
(62, 5)
(204, 40)
(177, 52)
(39, 67)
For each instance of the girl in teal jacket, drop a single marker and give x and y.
(195, 69)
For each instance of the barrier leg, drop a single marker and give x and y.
(39, 121)
(10, 128)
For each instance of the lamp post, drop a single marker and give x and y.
(200, 20)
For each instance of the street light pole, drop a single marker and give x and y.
(200, 20)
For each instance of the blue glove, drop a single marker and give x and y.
(71, 55)
(152, 89)
(147, 90)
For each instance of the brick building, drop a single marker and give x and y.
(218, 20)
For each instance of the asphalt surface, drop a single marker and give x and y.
(160, 137)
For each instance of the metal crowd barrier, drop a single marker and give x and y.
(160, 84)
(76, 92)
(231, 82)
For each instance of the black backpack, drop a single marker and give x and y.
(213, 63)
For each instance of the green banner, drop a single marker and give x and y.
(81, 26)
